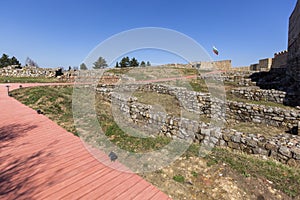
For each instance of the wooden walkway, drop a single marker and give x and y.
(41, 160)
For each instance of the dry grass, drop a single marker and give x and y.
(254, 128)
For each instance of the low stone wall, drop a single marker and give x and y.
(27, 72)
(257, 94)
(261, 114)
(237, 77)
(203, 105)
(285, 147)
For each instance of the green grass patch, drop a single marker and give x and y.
(194, 174)
(198, 85)
(4, 79)
(119, 70)
(161, 102)
(178, 178)
(54, 101)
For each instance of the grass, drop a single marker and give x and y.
(232, 97)
(194, 174)
(161, 102)
(54, 101)
(187, 71)
(254, 128)
(178, 178)
(119, 70)
(4, 79)
(131, 143)
(284, 178)
(198, 85)
(120, 137)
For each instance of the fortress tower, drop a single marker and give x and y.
(293, 68)
(294, 44)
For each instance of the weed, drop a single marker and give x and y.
(178, 178)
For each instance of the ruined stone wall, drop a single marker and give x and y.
(294, 44)
(257, 94)
(284, 147)
(203, 105)
(27, 72)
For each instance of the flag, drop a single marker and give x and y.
(215, 50)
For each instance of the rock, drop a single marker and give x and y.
(285, 151)
(260, 151)
(251, 143)
(233, 145)
(205, 132)
(236, 138)
(226, 137)
(214, 140)
(293, 163)
(296, 153)
(280, 119)
(271, 146)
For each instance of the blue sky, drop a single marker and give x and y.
(63, 32)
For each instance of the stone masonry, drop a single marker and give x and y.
(283, 147)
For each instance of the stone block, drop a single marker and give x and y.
(285, 151)
(234, 145)
(251, 143)
(271, 146)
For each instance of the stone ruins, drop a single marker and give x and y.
(283, 147)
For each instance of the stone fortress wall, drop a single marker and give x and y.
(294, 44)
(222, 65)
(280, 60)
(284, 147)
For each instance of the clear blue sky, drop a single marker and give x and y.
(63, 32)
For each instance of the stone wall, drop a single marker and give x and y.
(240, 68)
(284, 147)
(294, 43)
(293, 70)
(222, 65)
(203, 105)
(27, 72)
(256, 94)
(265, 64)
(254, 67)
(262, 65)
(237, 77)
(280, 60)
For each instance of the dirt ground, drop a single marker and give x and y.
(211, 183)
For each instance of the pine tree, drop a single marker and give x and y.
(148, 63)
(4, 61)
(143, 64)
(134, 62)
(125, 62)
(83, 66)
(100, 63)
